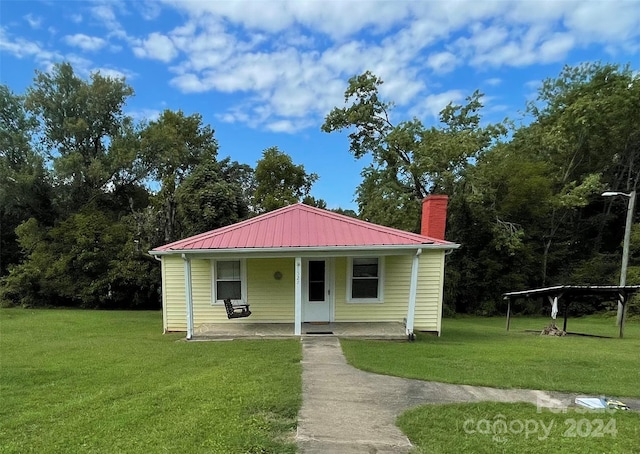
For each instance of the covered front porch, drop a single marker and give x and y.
(359, 330)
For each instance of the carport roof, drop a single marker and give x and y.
(302, 226)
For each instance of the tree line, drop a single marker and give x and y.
(85, 190)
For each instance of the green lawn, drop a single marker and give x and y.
(478, 351)
(89, 381)
(494, 428)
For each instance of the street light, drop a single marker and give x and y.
(625, 245)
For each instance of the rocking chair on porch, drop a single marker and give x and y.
(236, 310)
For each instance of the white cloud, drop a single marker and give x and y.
(287, 126)
(336, 19)
(104, 13)
(606, 21)
(85, 42)
(76, 18)
(144, 114)
(149, 10)
(157, 47)
(33, 21)
(556, 47)
(442, 62)
(291, 60)
(433, 104)
(115, 73)
(188, 83)
(532, 87)
(22, 48)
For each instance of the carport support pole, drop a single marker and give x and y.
(622, 302)
(298, 298)
(508, 313)
(188, 295)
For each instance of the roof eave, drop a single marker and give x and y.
(293, 251)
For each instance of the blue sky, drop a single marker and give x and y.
(265, 73)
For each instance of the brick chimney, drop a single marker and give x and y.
(434, 216)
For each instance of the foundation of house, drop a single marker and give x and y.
(361, 330)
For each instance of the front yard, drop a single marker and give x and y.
(478, 351)
(88, 381)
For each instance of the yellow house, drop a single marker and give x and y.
(302, 264)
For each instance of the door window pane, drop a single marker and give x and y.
(316, 280)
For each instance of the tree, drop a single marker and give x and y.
(171, 147)
(409, 160)
(89, 260)
(25, 188)
(529, 212)
(211, 197)
(279, 182)
(585, 126)
(80, 119)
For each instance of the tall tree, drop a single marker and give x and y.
(586, 127)
(171, 147)
(279, 182)
(79, 120)
(25, 188)
(409, 160)
(211, 197)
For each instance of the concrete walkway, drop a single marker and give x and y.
(346, 410)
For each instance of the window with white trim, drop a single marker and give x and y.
(364, 283)
(229, 280)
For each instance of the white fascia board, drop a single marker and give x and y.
(338, 251)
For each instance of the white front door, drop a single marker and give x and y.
(316, 291)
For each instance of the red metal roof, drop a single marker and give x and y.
(300, 226)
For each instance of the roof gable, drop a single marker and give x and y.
(300, 226)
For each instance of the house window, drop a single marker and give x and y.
(229, 280)
(365, 280)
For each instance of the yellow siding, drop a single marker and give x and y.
(429, 291)
(203, 311)
(173, 299)
(396, 293)
(397, 270)
(272, 300)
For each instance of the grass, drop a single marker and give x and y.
(494, 428)
(479, 351)
(89, 381)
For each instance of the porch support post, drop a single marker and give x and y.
(298, 298)
(188, 295)
(411, 312)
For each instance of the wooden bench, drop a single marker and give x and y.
(236, 310)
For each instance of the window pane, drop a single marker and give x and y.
(228, 270)
(364, 288)
(316, 291)
(365, 267)
(316, 271)
(228, 289)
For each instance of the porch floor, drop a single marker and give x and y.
(362, 330)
